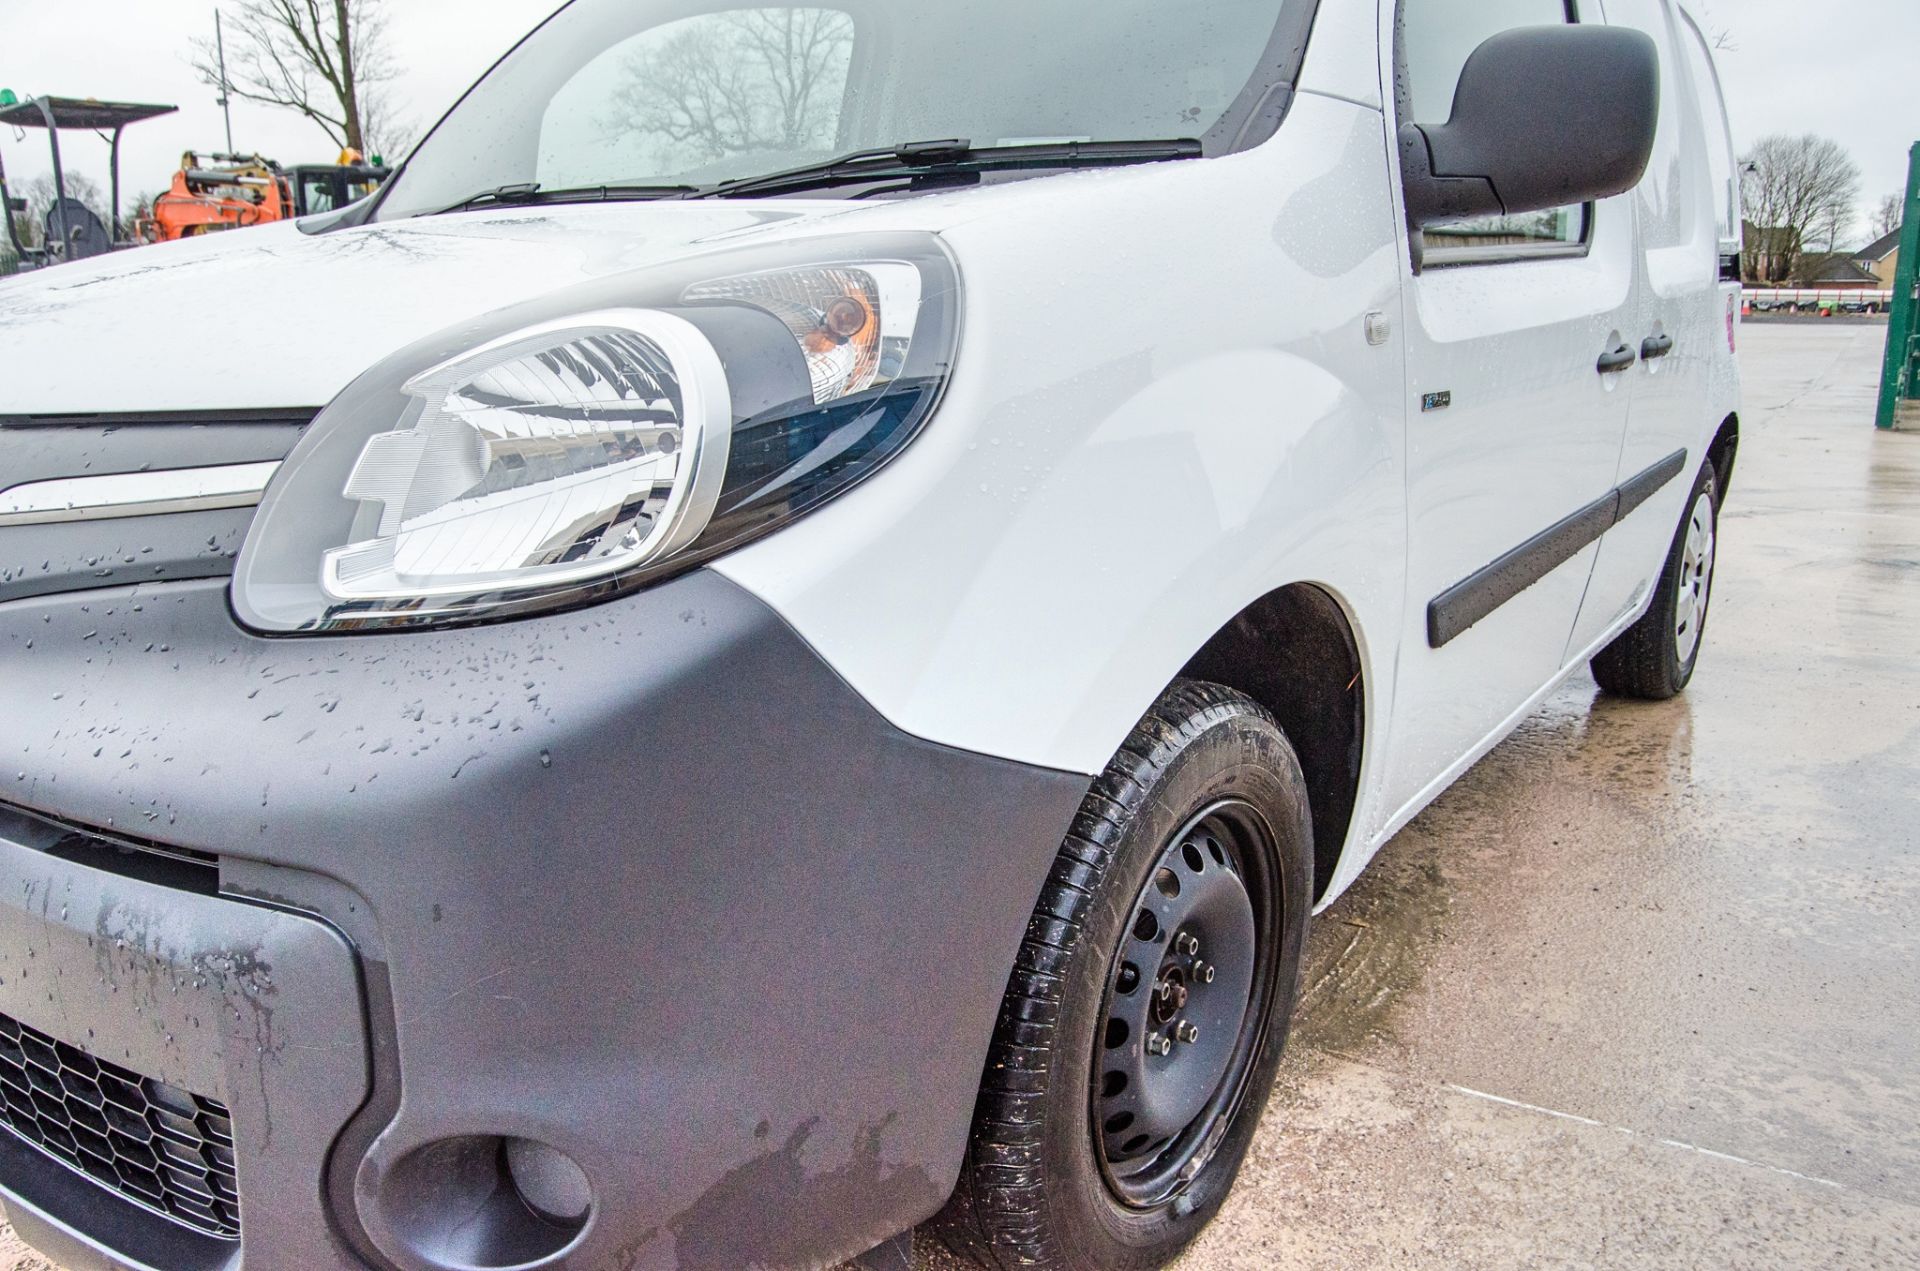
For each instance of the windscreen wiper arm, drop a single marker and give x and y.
(921, 158)
(531, 192)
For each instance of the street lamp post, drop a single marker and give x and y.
(226, 93)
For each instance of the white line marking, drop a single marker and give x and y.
(1741, 1160)
(1528, 1107)
(1673, 1143)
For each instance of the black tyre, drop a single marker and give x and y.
(1654, 659)
(1150, 1001)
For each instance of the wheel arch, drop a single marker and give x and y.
(1297, 653)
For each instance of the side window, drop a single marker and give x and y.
(1706, 85)
(1436, 38)
(753, 89)
(1669, 203)
(318, 195)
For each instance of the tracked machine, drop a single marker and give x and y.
(226, 191)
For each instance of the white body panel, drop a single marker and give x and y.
(1343, 58)
(1531, 437)
(274, 318)
(1165, 406)
(1680, 295)
(1105, 491)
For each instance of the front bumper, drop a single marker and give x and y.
(254, 1007)
(646, 883)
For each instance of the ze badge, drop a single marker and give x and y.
(1436, 401)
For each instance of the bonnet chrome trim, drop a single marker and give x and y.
(126, 494)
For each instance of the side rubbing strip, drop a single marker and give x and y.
(1649, 483)
(1459, 607)
(1456, 610)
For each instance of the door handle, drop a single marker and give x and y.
(1618, 360)
(1655, 346)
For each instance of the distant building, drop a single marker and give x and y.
(1834, 271)
(1768, 249)
(1881, 259)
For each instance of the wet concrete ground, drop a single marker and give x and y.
(1641, 990)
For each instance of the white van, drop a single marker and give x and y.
(778, 640)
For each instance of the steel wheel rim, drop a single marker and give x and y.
(1237, 851)
(1696, 579)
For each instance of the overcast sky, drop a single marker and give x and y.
(1845, 69)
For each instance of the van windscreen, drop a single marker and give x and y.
(667, 93)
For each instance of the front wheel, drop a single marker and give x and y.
(1149, 1004)
(1654, 659)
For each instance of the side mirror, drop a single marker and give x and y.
(1544, 117)
(17, 206)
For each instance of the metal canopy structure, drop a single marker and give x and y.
(73, 112)
(68, 222)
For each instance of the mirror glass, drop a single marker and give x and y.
(1439, 36)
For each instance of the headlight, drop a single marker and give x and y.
(564, 453)
(849, 322)
(575, 449)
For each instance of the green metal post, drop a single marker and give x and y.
(1900, 381)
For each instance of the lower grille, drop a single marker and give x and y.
(155, 1144)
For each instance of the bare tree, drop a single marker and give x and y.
(387, 135)
(1889, 215)
(28, 227)
(1720, 37)
(40, 194)
(30, 223)
(735, 83)
(139, 217)
(1799, 192)
(1832, 226)
(326, 59)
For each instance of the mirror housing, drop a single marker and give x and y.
(17, 206)
(1544, 117)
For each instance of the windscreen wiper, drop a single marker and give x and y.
(922, 158)
(531, 193)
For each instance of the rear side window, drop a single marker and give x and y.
(1436, 38)
(1668, 200)
(1713, 112)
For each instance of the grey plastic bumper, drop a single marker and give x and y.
(256, 1008)
(647, 883)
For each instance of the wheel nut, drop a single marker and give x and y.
(1203, 972)
(1188, 944)
(1158, 1045)
(1188, 1033)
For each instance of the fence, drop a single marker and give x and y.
(1900, 381)
(1820, 299)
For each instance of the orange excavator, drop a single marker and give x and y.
(227, 191)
